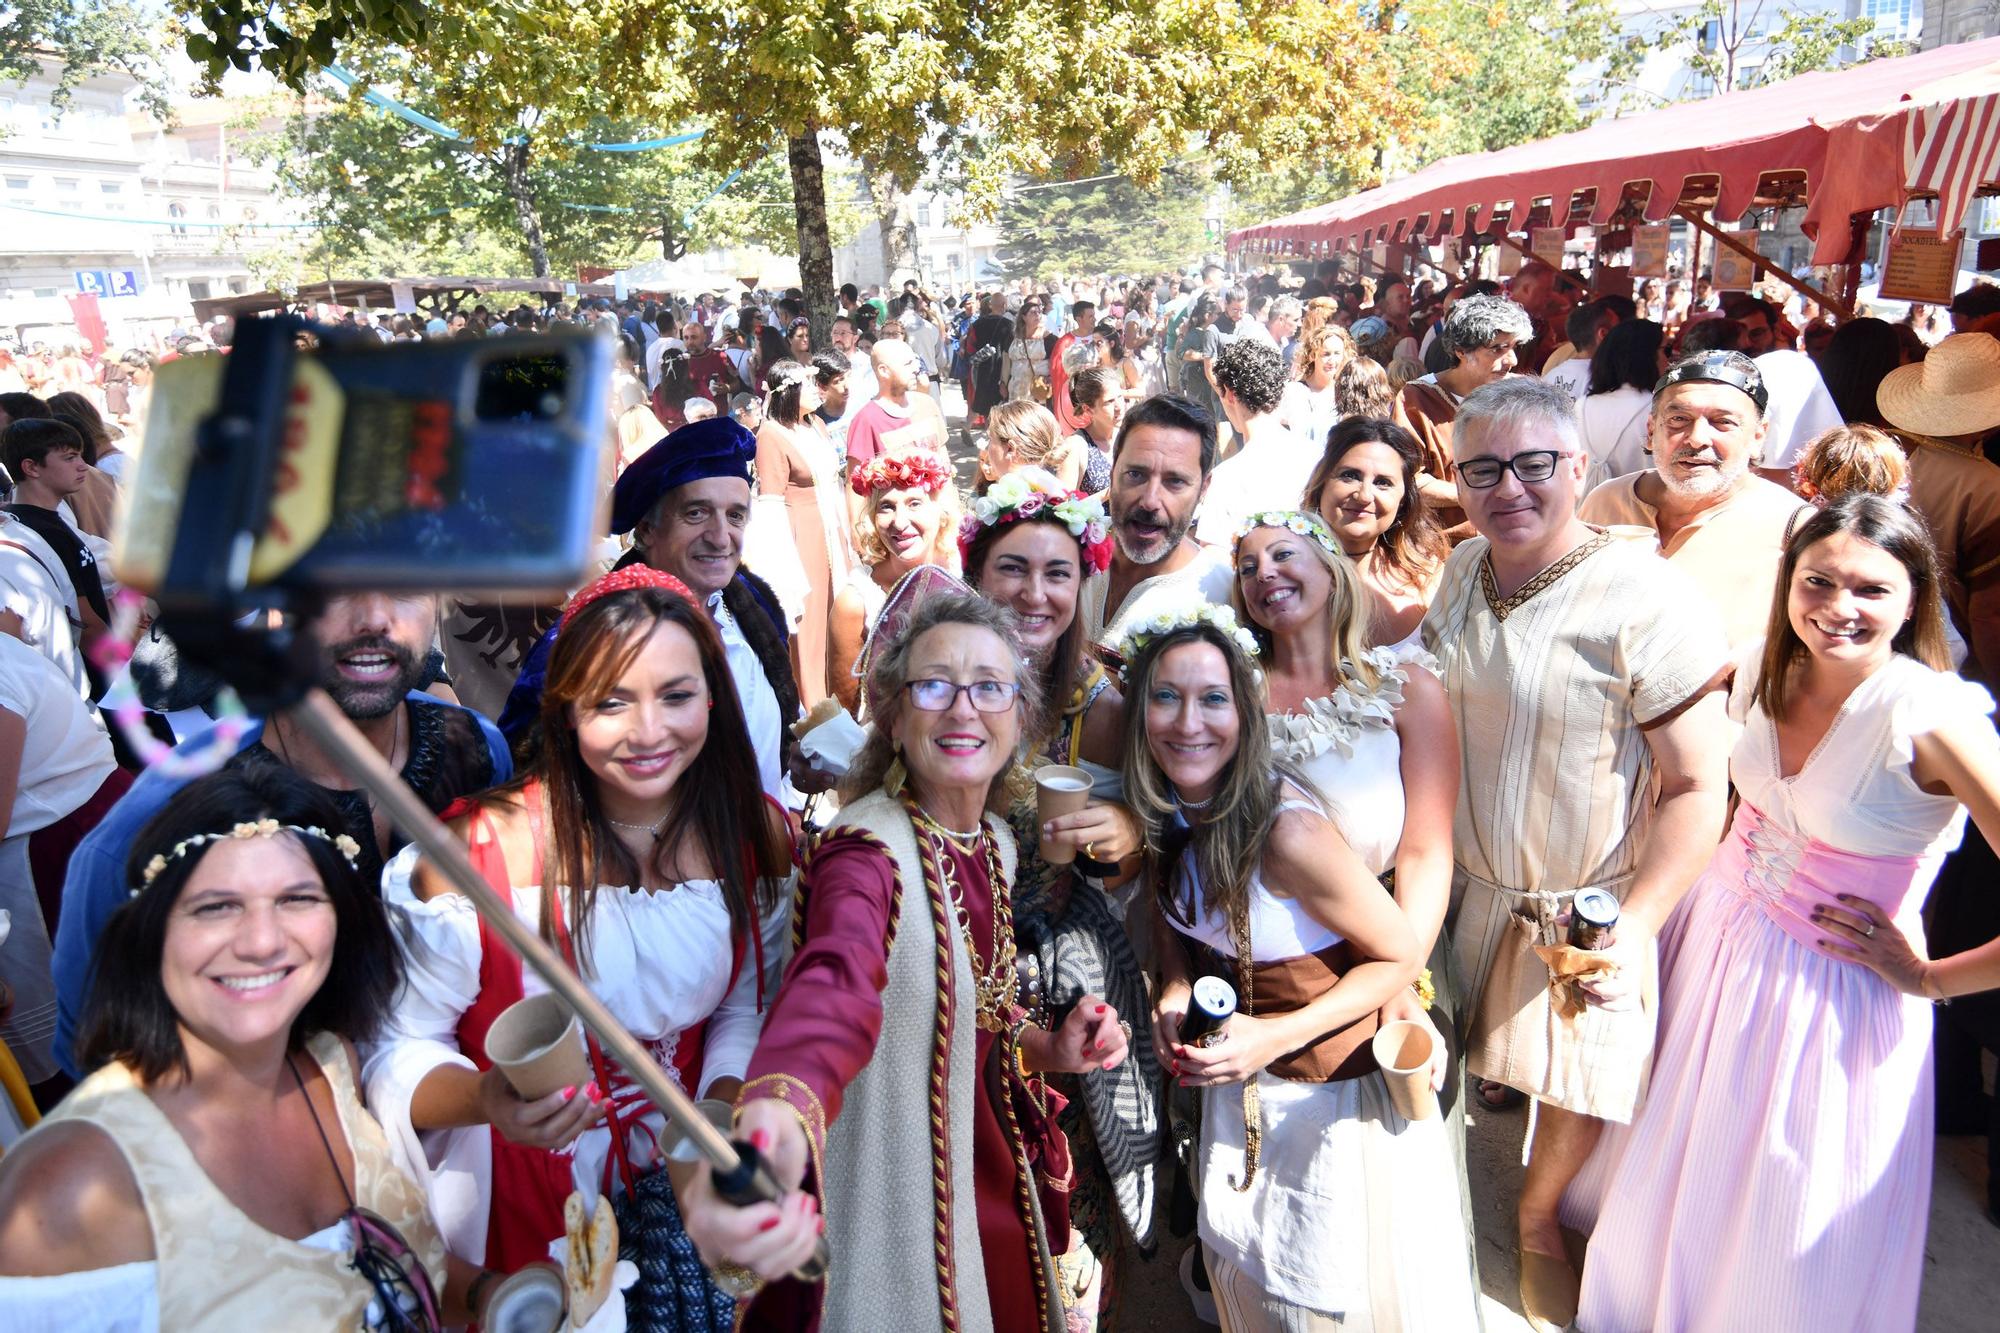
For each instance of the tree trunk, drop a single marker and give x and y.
(815, 236)
(514, 166)
(895, 223)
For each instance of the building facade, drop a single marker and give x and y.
(101, 199)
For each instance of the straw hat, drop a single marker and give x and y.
(1953, 391)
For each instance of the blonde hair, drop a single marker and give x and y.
(1312, 346)
(1851, 459)
(1028, 429)
(1362, 389)
(1347, 610)
(1319, 313)
(868, 547)
(1402, 370)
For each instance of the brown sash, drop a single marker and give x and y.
(1289, 984)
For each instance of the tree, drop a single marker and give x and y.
(1511, 65)
(1728, 44)
(84, 36)
(971, 95)
(452, 202)
(1106, 226)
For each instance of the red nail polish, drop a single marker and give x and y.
(821, 1226)
(768, 1223)
(760, 1139)
(569, 1092)
(1103, 1008)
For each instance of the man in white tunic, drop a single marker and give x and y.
(1584, 677)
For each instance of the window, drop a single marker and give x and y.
(45, 293)
(197, 289)
(924, 214)
(177, 210)
(68, 185)
(20, 184)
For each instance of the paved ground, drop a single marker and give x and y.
(1962, 1251)
(1961, 1254)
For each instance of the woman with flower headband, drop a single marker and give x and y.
(1366, 490)
(907, 516)
(897, 1088)
(663, 884)
(219, 1170)
(1320, 1204)
(1028, 544)
(1371, 731)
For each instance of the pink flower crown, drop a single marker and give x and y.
(1035, 493)
(903, 470)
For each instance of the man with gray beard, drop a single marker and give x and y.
(1720, 523)
(1161, 461)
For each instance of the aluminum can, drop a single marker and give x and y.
(1592, 914)
(1213, 1001)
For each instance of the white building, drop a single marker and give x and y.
(103, 199)
(950, 257)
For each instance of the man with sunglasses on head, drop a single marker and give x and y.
(1584, 675)
(1718, 522)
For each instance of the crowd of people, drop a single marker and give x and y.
(1595, 686)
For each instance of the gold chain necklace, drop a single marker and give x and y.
(995, 986)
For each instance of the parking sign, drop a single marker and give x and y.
(124, 282)
(93, 281)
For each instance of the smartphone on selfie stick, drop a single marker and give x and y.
(281, 474)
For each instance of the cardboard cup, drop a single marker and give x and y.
(533, 1300)
(1059, 790)
(1403, 1049)
(538, 1044)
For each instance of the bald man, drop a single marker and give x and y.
(896, 417)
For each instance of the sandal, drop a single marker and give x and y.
(1498, 1096)
(1549, 1292)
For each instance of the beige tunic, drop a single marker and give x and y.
(1731, 551)
(1549, 689)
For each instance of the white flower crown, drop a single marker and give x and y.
(1192, 615)
(1293, 520)
(261, 828)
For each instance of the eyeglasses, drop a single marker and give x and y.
(403, 1292)
(1531, 466)
(988, 696)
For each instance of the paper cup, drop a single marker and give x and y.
(1403, 1049)
(679, 1147)
(1059, 790)
(534, 1300)
(538, 1044)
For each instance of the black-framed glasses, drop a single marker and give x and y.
(405, 1301)
(937, 696)
(1530, 465)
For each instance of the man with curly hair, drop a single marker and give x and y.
(1271, 465)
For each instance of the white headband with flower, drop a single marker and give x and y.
(261, 828)
(1292, 520)
(1193, 615)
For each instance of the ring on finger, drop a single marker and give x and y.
(1870, 931)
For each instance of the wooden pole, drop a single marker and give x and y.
(1843, 308)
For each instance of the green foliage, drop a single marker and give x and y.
(1746, 52)
(1515, 59)
(84, 35)
(394, 199)
(1110, 226)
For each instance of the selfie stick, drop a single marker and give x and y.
(202, 598)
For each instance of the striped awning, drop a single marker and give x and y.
(1846, 142)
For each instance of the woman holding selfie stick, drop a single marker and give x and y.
(640, 844)
(1028, 545)
(896, 1091)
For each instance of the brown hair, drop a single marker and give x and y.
(1413, 545)
(1234, 827)
(1856, 459)
(1362, 388)
(1066, 666)
(1319, 313)
(1879, 522)
(718, 805)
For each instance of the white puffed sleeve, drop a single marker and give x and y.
(736, 1024)
(122, 1299)
(439, 941)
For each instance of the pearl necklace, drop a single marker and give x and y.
(652, 829)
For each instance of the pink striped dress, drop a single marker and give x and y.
(1778, 1174)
